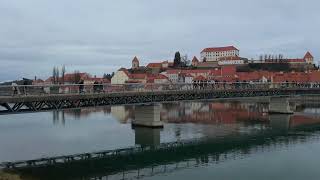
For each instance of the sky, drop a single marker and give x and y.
(101, 36)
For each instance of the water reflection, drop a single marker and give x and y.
(194, 134)
(168, 160)
(147, 137)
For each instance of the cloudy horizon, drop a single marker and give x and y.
(100, 36)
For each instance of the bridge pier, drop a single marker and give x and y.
(147, 137)
(147, 116)
(279, 105)
(280, 121)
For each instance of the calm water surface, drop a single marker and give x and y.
(230, 140)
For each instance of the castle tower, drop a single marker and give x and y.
(135, 63)
(308, 58)
(195, 61)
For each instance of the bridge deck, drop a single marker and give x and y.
(62, 101)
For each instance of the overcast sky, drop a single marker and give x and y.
(100, 36)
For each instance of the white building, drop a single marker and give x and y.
(233, 60)
(120, 77)
(188, 79)
(215, 53)
(173, 76)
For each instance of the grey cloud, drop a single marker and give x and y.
(101, 36)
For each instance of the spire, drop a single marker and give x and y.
(308, 55)
(195, 59)
(135, 63)
(135, 59)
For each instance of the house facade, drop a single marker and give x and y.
(120, 77)
(215, 53)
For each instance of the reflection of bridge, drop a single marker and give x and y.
(150, 157)
(36, 102)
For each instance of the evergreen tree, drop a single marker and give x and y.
(177, 59)
(204, 59)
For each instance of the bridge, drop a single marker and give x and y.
(47, 97)
(148, 160)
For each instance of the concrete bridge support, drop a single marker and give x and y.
(280, 121)
(280, 105)
(149, 137)
(147, 116)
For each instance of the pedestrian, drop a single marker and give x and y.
(15, 89)
(25, 83)
(95, 87)
(81, 86)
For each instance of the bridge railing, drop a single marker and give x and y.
(52, 89)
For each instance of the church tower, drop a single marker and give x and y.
(135, 63)
(308, 58)
(195, 61)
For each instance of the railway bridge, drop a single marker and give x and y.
(40, 98)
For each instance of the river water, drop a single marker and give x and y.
(230, 140)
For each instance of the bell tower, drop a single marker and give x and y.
(135, 63)
(308, 58)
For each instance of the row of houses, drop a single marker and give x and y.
(218, 74)
(72, 78)
(216, 64)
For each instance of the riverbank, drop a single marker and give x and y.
(7, 176)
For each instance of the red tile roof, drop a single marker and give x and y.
(154, 65)
(229, 70)
(296, 60)
(315, 76)
(125, 71)
(216, 72)
(157, 76)
(253, 76)
(225, 78)
(219, 49)
(291, 77)
(200, 78)
(138, 76)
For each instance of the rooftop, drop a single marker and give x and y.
(219, 49)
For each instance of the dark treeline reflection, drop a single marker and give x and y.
(230, 131)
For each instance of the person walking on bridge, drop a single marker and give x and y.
(15, 89)
(81, 86)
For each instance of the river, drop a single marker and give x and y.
(230, 139)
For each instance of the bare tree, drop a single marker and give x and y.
(77, 76)
(63, 72)
(55, 75)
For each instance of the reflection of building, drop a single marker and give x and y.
(122, 113)
(212, 112)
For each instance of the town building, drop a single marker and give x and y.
(215, 53)
(120, 77)
(231, 60)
